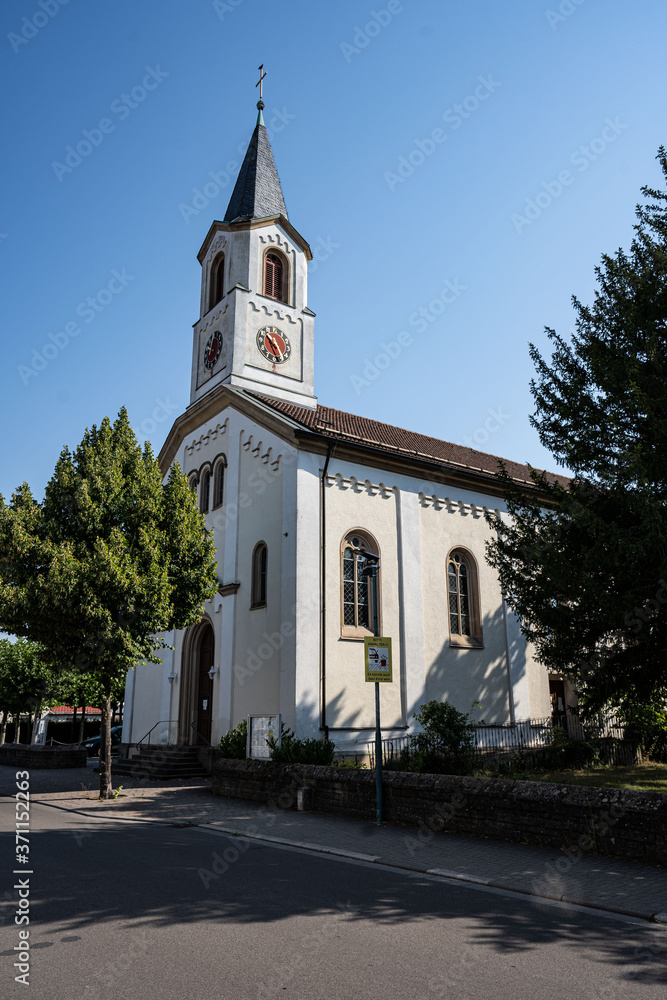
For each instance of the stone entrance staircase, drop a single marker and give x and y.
(161, 762)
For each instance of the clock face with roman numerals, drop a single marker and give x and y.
(274, 345)
(212, 349)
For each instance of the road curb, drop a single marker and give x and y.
(473, 880)
(659, 918)
(286, 842)
(459, 876)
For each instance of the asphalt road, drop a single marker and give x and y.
(134, 911)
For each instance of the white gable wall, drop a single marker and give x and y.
(269, 658)
(259, 633)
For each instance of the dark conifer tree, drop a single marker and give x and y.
(585, 565)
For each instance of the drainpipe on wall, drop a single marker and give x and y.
(323, 594)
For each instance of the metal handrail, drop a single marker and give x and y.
(160, 723)
(206, 742)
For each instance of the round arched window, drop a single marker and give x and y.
(360, 600)
(274, 276)
(463, 600)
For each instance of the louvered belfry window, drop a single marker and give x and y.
(273, 276)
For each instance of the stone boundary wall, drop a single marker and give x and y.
(37, 758)
(602, 820)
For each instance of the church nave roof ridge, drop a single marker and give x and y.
(329, 422)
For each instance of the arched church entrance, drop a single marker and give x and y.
(196, 703)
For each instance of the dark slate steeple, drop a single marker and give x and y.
(257, 193)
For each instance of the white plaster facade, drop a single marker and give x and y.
(289, 655)
(270, 658)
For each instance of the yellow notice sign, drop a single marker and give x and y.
(377, 658)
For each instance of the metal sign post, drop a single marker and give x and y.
(378, 757)
(377, 656)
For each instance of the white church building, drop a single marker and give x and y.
(295, 494)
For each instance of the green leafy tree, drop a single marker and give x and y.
(26, 680)
(584, 564)
(109, 560)
(80, 690)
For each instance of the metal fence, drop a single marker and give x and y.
(535, 733)
(504, 739)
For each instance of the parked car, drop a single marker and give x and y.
(93, 744)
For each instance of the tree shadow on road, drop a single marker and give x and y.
(146, 876)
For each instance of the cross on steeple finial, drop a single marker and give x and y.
(260, 102)
(260, 82)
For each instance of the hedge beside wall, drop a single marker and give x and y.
(607, 821)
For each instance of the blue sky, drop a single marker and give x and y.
(457, 168)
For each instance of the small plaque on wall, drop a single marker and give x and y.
(260, 728)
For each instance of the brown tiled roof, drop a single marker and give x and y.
(342, 426)
(66, 710)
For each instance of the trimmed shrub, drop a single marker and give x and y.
(446, 745)
(233, 744)
(295, 751)
(646, 726)
(564, 754)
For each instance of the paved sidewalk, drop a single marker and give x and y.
(622, 886)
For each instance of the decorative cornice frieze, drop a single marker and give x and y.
(212, 318)
(210, 435)
(277, 240)
(455, 506)
(257, 451)
(362, 486)
(218, 244)
(282, 314)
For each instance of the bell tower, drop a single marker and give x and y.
(255, 329)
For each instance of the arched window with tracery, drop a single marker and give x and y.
(275, 271)
(217, 281)
(360, 597)
(258, 583)
(193, 482)
(219, 482)
(463, 599)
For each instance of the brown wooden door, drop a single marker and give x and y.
(204, 689)
(558, 710)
